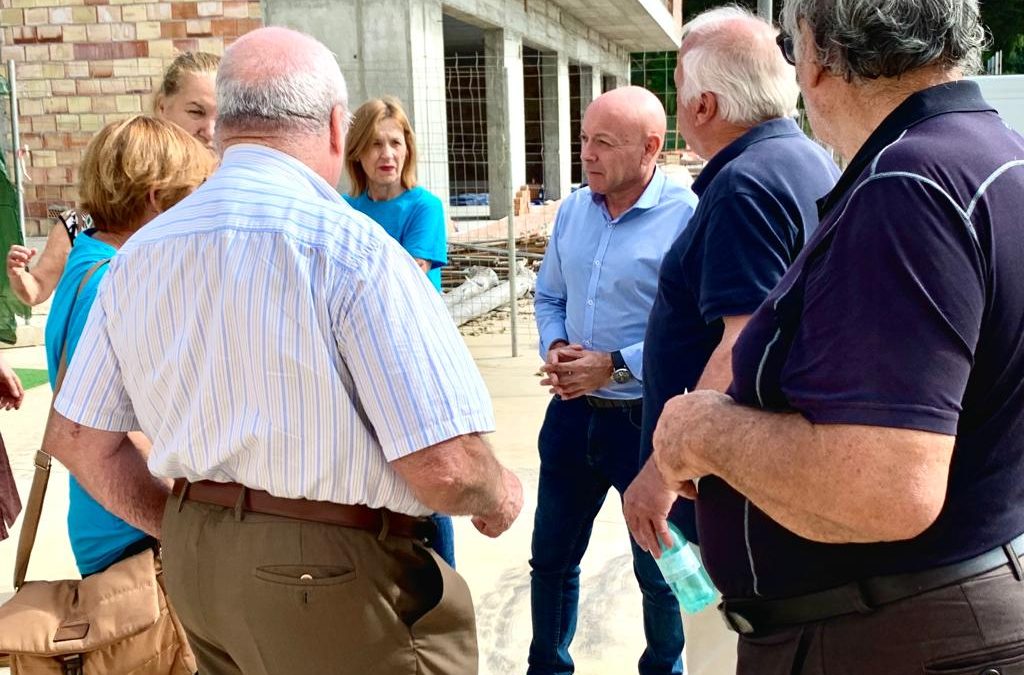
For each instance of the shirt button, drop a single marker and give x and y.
(590, 301)
(597, 263)
(586, 343)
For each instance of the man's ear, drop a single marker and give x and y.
(707, 108)
(652, 147)
(808, 65)
(338, 129)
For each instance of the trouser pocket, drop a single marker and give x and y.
(1000, 660)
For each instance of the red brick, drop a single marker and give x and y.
(184, 10)
(225, 27)
(188, 45)
(246, 25)
(24, 34)
(35, 209)
(172, 29)
(91, 51)
(97, 2)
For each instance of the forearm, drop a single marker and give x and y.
(25, 287)
(460, 476)
(111, 469)
(829, 483)
(717, 373)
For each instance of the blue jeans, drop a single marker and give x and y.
(583, 452)
(444, 542)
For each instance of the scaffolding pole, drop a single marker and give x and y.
(12, 85)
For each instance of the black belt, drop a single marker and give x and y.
(595, 402)
(758, 615)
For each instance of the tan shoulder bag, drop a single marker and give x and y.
(117, 621)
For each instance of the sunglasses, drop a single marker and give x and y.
(785, 43)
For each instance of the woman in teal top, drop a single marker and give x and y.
(132, 171)
(380, 157)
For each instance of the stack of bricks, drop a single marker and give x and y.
(83, 63)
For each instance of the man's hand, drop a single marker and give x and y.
(493, 524)
(12, 393)
(573, 371)
(17, 260)
(684, 433)
(646, 505)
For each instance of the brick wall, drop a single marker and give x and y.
(84, 63)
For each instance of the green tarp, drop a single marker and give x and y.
(10, 233)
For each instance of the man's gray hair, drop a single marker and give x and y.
(296, 97)
(871, 39)
(751, 83)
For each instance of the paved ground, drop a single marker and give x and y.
(609, 639)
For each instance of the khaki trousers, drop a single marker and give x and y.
(265, 595)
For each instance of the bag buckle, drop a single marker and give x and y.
(72, 664)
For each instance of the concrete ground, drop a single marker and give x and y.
(609, 638)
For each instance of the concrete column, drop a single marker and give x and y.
(590, 84)
(557, 129)
(506, 121)
(385, 47)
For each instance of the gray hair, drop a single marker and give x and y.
(871, 39)
(751, 82)
(297, 97)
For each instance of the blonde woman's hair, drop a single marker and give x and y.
(187, 62)
(364, 131)
(127, 160)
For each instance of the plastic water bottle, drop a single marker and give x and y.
(685, 575)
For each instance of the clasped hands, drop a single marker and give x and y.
(572, 371)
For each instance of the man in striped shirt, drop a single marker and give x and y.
(304, 390)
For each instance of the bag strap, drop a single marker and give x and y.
(41, 477)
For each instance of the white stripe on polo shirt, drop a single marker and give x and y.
(264, 332)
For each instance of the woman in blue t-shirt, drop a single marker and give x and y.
(132, 171)
(380, 157)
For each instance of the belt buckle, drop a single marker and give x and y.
(735, 621)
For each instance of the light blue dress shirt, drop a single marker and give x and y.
(599, 277)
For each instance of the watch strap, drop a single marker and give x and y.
(618, 363)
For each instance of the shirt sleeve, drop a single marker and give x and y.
(633, 355)
(550, 293)
(93, 393)
(892, 313)
(426, 236)
(746, 250)
(412, 372)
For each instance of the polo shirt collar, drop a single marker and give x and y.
(781, 126)
(958, 96)
(648, 199)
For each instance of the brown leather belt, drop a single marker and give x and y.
(244, 499)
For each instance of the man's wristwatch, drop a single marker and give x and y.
(620, 373)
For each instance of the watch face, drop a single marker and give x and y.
(621, 376)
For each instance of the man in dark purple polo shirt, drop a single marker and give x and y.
(861, 492)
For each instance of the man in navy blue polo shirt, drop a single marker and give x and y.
(861, 494)
(757, 205)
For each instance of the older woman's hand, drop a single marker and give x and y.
(687, 431)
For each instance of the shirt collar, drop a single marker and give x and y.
(648, 199)
(299, 176)
(959, 96)
(781, 126)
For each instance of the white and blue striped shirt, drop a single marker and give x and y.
(264, 332)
